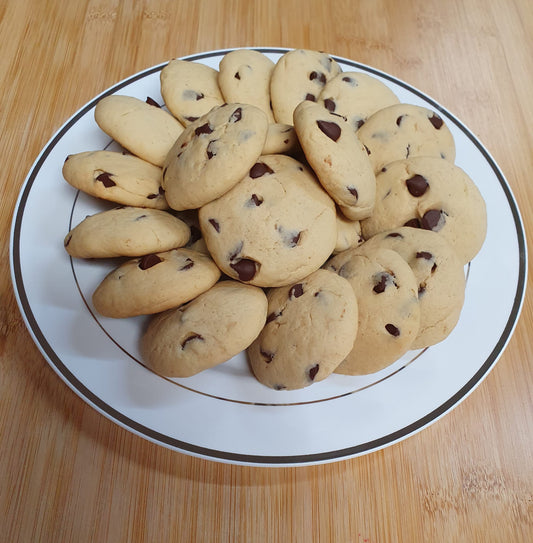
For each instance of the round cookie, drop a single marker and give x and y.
(298, 75)
(356, 96)
(213, 154)
(275, 227)
(439, 274)
(211, 329)
(244, 78)
(403, 131)
(189, 89)
(434, 194)
(311, 326)
(126, 231)
(338, 158)
(389, 311)
(144, 129)
(154, 283)
(281, 139)
(348, 234)
(123, 179)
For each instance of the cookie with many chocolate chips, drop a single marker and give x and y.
(389, 311)
(404, 131)
(116, 177)
(189, 89)
(439, 274)
(211, 329)
(143, 128)
(338, 158)
(244, 78)
(311, 326)
(299, 75)
(213, 154)
(356, 96)
(276, 226)
(433, 194)
(126, 231)
(154, 283)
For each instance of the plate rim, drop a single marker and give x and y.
(253, 459)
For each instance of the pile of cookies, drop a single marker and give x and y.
(290, 209)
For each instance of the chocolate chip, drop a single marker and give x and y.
(413, 223)
(273, 316)
(399, 120)
(246, 268)
(381, 285)
(259, 169)
(434, 220)
(367, 150)
(331, 129)
(191, 119)
(191, 337)
(310, 97)
(392, 330)
(105, 179)
(148, 261)
(152, 102)
(237, 75)
(267, 355)
(417, 185)
(329, 104)
(236, 116)
(359, 123)
(140, 217)
(188, 264)
(296, 291)
(318, 76)
(256, 200)
(394, 235)
(313, 371)
(152, 196)
(210, 150)
(353, 191)
(426, 255)
(408, 150)
(214, 223)
(204, 129)
(280, 387)
(199, 96)
(349, 80)
(436, 121)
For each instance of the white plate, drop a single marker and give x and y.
(224, 414)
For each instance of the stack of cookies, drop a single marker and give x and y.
(290, 210)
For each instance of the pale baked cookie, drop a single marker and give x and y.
(126, 231)
(389, 311)
(213, 154)
(244, 78)
(434, 194)
(338, 158)
(311, 326)
(439, 274)
(356, 96)
(275, 227)
(349, 234)
(154, 283)
(189, 89)
(116, 177)
(300, 74)
(281, 139)
(403, 131)
(208, 331)
(144, 129)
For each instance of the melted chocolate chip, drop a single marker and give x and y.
(152, 102)
(259, 169)
(148, 261)
(152, 196)
(394, 235)
(359, 124)
(319, 76)
(191, 119)
(367, 150)
(246, 268)
(210, 150)
(310, 97)
(191, 337)
(188, 265)
(313, 371)
(349, 80)
(296, 291)
(267, 355)
(434, 220)
(392, 330)
(215, 224)
(237, 75)
(105, 179)
(381, 285)
(353, 191)
(329, 104)
(399, 120)
(408, 150)
(140, 217)
(436, 121)
(236, 116)
(417, 185)
(256, 200)
(204, 129)
(426, 255)
(413, 223)
(331, 129)
(199, 96)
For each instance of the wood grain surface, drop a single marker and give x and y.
(69, 474)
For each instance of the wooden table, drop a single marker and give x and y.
(69, 474)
